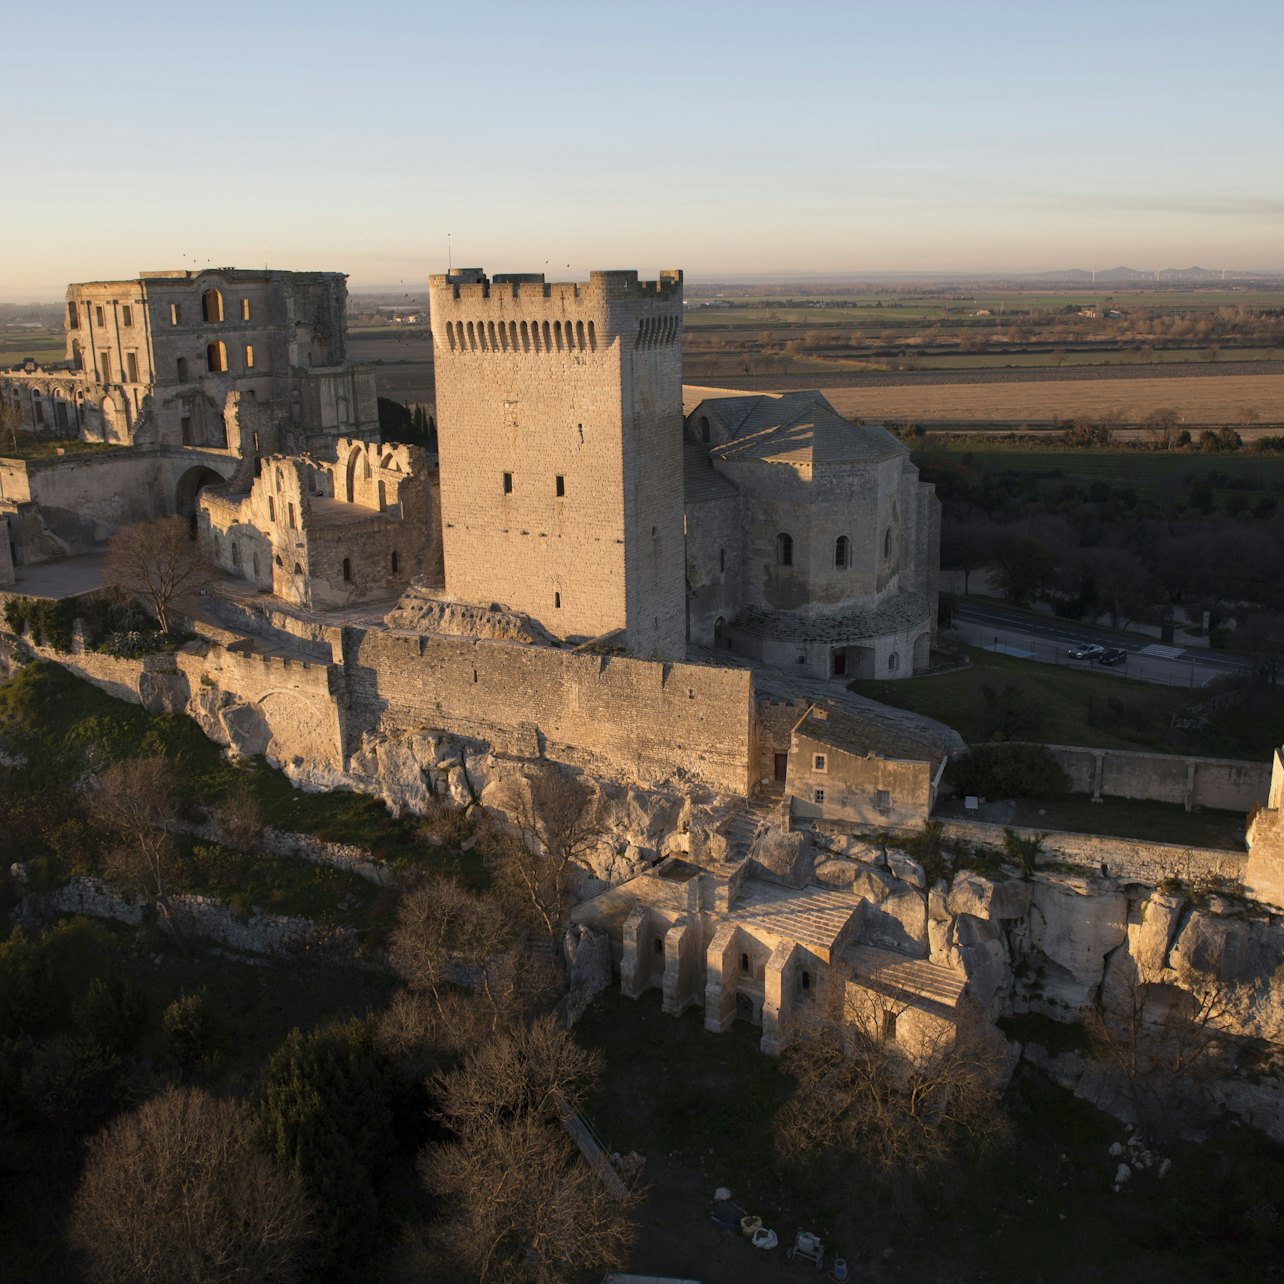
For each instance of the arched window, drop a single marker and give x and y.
(394, 561)
(657, 945)
(347, 570)
(298, 570)
(842, 553)
(526, 337)
(212, 305)
(784, 549)
(182, 369)
(548, 337)
(557, 601)
(744, 962)
(893, 662)
(806, 980)
(887, 542)
(216, 357)
(579, 335)
(592, 337)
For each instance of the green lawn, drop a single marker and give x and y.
(1147, 821)
(1057, 705)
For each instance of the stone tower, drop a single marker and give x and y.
(559, 410)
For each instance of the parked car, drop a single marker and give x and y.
(1088, 651)
(1116, 655)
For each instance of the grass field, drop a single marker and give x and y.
(45, 344)
(1063, 706)
(1218, 399)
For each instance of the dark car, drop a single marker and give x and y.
(1115, 655)
(1085, 651)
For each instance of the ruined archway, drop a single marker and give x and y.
(190, 485)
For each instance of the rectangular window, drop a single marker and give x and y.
(882, 802)
(818, 795)
(98, 316)
(560, 487)
(249, 356)
(38, 409)
(126, 315)
(104, 366)
(245, 309)
(73, 317)
(508, 483)
(175, 314)
(187, 430)
(292, 525)
(131, 365)
(818, 761)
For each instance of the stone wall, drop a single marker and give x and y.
(857, 789)
(1195, 782)
(613, 715)
(1127, 858)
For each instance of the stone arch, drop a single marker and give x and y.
(784, 549)
(190, 485)
(842, 553)
(212, 305)
(350, 481)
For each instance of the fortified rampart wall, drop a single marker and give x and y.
(1194, 782)
(616, 716)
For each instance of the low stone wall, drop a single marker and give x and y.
(1223, 783)
(203, 918)
(316, 851)
(1128, 858)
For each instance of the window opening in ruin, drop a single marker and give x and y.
(718, 626)
(893, 661)
(691, 693)
(657, 945)
(557, 335)
(818, 761)
(784, 549)
(818, 795)
(131, 366)
(38, 409)
(508, 483)
(882, 801)
(60, 412)
(393, 560)
(744, 962)
(236, 554)
(293, 524)
(383, 497)
(842, 552)
(472, 338)
(559, 486)
(474, 675)
(592, 337)
(450, 334)
(494, 341)
(98, 316)
(77, 355)
(548, 337)
(654, 532)
(245, 309)
(216, 357)
(212, 305)
(579, 335)
(722, 559)
(278, 560)
(806, 980)
(186, 424)
(175, 314)
(557, 601)
(104, 366)
(249, 356)
(347, 570)
(526, 338)
(887, 543)
(182, 369)
(271, 509)
(256, 566)
(73, 317)
(126, 315)
(258, 466)
(889, 1026)
(298, 570)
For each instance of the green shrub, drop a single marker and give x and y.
(111, 1013)
(189, 1028)
(1008, 771)
(1021, 850)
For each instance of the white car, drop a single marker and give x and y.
(1088, 651)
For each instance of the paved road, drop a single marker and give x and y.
(1038, 637)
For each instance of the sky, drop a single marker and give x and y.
(384, 139)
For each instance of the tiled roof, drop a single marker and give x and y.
(892, 973)
(702, 482)
(898, 612)
(795, 428)
(856, 736)
(812, 916)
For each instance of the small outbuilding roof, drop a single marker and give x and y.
(701, 482)
(842, 731)
(799, 428)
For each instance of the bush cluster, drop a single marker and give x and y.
(1008, 771)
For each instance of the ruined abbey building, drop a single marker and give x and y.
(190, 375)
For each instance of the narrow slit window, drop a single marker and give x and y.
(98, 317)
(559, 486)
(249, 356)
(394, 561)
(245, 309)
(744, 962)
(347, 570)
(127, 315)
(175, 314)
(557, 601)
(508, 483)
(131, 366)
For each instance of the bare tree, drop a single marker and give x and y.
(558, 819)
(157, 561)
(137, 803)
(878, 1081)
(1164, 1042)
(239, 818)
(10, 420)
(519, 1201)
(174, 1191)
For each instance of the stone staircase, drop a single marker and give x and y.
(740, 831)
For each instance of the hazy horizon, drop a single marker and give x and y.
(727, 140)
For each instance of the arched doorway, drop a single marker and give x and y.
(190, 485)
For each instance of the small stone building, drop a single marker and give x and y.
(1264, 873)
(860, 773)
(811, 542)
